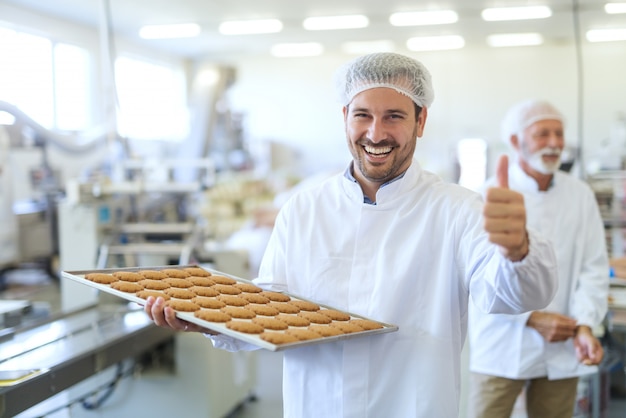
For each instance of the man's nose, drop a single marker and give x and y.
(376, 131)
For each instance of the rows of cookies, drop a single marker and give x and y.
(240, 306)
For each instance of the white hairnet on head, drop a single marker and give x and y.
(385, 69)
(524, 114)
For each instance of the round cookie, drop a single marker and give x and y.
(197, 271)
(176, 282)
(335, 314)
(153, 274)
(179, 293)
(182, 305)
(262, 309)
(305, 305)
(232, 300)
(237, 312)
(326, 331)
(276, 296)
(128, 276)
(210, 303)
(223, 279)
(128, 287)
(101, 278)
(303, 334)
(284, 307)
(176, 273)
(204, 291)
(294, 320)
(226, 289)
(315, 317)
(200, 281)
(212, 315)
(254, 298)
(145, 294)
(153, 284)
(366, 324)
(346, 327)
(248, 287)
(278, 338)
(245, 327)
(270, 323)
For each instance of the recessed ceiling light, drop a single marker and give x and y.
(248, 27)
(514, 39)
(516, 13)
(335, 22)
(435, 43)
(615, 8)
(182, 30)
(606, 35)
(431, 17)
(367, 47)
(305, 49)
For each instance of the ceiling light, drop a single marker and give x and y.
(514, 39)
(434, 17)
(606, 35)
(305, 49)
(615, 8)
(248, 27)
(435, 43)
(516, 13)
(367, 47)
(182, 30)
(335, 22)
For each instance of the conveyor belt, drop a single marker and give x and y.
(71, 348)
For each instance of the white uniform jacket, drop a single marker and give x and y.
(568, 215)
(411, 260)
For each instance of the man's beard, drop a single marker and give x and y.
(536, 162)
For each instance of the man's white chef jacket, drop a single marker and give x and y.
(411, 260)
(568, 215)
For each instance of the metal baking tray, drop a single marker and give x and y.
(79, 276)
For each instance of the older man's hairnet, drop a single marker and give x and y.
(524, 114)
(401, 73)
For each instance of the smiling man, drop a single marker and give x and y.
(390, 241)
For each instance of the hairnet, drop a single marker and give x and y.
(385, 69)
(524, 114)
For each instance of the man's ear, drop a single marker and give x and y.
(514, 141)
(421, 121)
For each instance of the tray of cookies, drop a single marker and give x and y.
(232, 305)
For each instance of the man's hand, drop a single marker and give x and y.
(552, 326)
(505, 215)
(589, 350)
(165, 317)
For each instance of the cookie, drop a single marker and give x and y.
(248, 287)
(335, 315)
(284, 307)
(176, 282)
(153, 284)
(366, 324)
(278, 338)
(305, 305)
(204, 291)
(226, 289)
(302, 334)
(200, 281)
(210, 303)
(275, 296)
(197, 271)
(254, 298)
(346, 327)
(245, 327)
(128, 276)
(237, 312)
(294, 320)
(101, 278)
(315, 317)
(326, 331)
(182, 305)
(270, 323)
(212, 315)
(179, 293)
(153, 274)
(128, 287)
(145, 294)
(222, 279)
(232, 300)
(176, 273)
(262, 309)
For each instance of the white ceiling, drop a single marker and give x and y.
(127, 16)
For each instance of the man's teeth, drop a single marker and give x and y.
(377, 150)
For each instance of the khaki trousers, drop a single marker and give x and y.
(494, 397)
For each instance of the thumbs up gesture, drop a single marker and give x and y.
(505, 215)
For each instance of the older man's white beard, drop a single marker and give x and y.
(535, 160)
